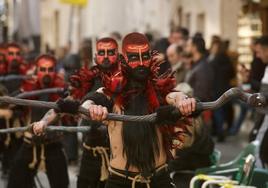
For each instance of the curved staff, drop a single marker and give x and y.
(47, 129)
(56, 90)
(254, 100)
(14, 77)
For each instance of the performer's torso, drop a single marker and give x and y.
(118, 159)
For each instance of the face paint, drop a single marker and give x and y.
(137, 55)
(107, 54)
(136, 52)
(45, 72)
(14, 53)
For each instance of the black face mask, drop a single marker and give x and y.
(140, 73)
(46, 80)
(14, 67)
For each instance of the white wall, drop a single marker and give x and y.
(211, 9)
(48, 22)
(101, 17)
(221, 17)
(229, 20)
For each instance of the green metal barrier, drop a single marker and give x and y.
(241, 177)
(260, 178)
(232, 165)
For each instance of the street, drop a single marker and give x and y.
(229, 150)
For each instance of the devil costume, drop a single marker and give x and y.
(12, 64)
(43, 152)
(144, 146)
(95, 158)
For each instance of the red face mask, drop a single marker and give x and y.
(14, 58)
(107, 54)
(14, 53)
(137, 55)
(45, 72)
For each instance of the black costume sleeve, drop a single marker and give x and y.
(67, 106)
(99, 99)
(167, 115)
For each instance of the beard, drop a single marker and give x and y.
(46, 81)
(140, 73)
(140, 140)
(14, 67)
(106, 65)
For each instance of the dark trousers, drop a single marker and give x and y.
(89, 174)
(56, 167)
(160, 180)
(70, 143)
(9, 152)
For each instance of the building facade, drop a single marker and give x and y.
(59, 23)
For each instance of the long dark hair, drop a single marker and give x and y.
(140, 141)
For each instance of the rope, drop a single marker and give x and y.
(42, 165)
(102, 151)
(8, 138)
(138, 178)
(34, 161)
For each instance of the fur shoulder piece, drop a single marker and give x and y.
(164, 83)
(82, 81)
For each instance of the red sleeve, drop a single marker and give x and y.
(58, 83)
(24, 68)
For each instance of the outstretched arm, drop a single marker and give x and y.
(50, 117)
(185, 104)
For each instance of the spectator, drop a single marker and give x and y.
(256, 75)
(177, 35)
(257, 69)
(174, 55)
(200, 77)
(223, 74)
(62, 52)
(86, 54)
(244, 85)
(150, 38)
(224, 71)
(262, 53)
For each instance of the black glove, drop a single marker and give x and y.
(67, 106)
(167, 115)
